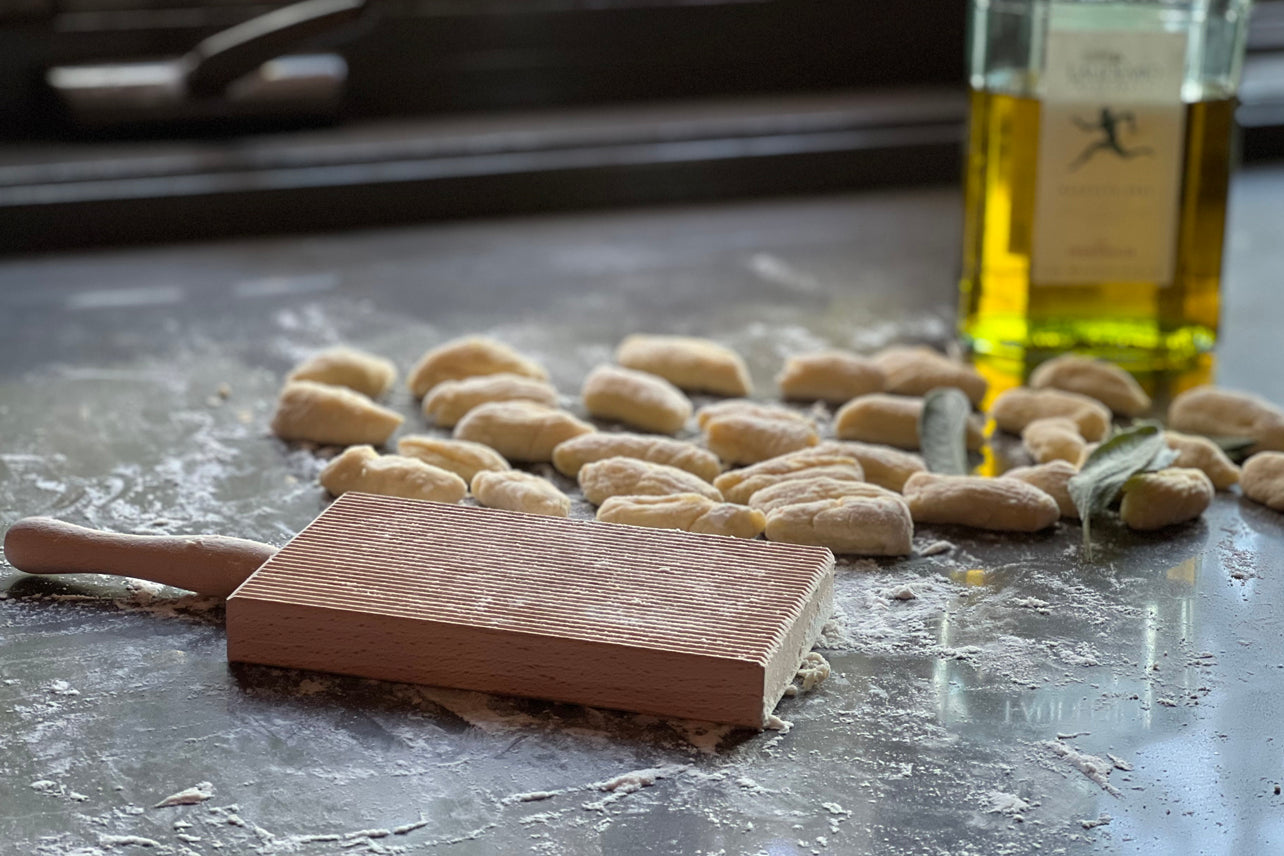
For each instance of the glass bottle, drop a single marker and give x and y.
(1099, 153)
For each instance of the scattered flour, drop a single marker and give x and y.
(936, 548)
(367, 833)
(1014, 658)
(775, 723)
(1120, 763)
(1082, 654)
(127, 841)
(833, 635)
(197, 793)
(813, 671)
(704, 737)
(621, 786)
(636, 780)
(312, 686)
(532, 796)
(164, 603)
(1005, 803)
(50, 788)
(1097, 769)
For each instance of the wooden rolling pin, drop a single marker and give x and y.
(205, 564)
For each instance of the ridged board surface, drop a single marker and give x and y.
(422, 577)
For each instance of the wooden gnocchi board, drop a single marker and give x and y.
(653, 621)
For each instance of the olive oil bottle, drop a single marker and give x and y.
(1099, 153)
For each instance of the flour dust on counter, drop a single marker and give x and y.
(197, 793)
(931, 733)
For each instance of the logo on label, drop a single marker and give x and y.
(1109, 163)
(1108, 125)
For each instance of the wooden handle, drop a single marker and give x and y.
(206, 564)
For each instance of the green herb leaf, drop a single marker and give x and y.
(1111, 464)
(1163, 458)
(942, 431)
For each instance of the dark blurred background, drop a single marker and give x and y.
(133, 120)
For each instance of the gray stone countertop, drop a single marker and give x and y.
(1021, 702)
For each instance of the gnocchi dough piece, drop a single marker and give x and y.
(331, 416)
(1216, 412)
(1053, 478)
(1016, 408)
(461, 457)
(839, 472)
(854, 525)
(798, 491)
(1095, 378)
(693, 364)
(917, 370)
(610, 477)
(1263, 479)
(469, 357)
(573, 454)
(689, 512)
(520, 430)
(739, 485)
(834, 376)
(726, 518)
(368, 374)
(999, 504)
(891, 420)
(639, 400)
(361, 468)
(1165, 498)
(744, 407)
(1054, 438)
(449, 401)
(514, 490)
(1203, 454)
(747, 439)
(883, 465)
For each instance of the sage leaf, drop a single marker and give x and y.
(1111, 464)
(942, 431)
(1162, 459)
(1166, 457)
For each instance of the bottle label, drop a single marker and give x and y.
(1111, 137)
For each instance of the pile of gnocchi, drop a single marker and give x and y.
(762, 468)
